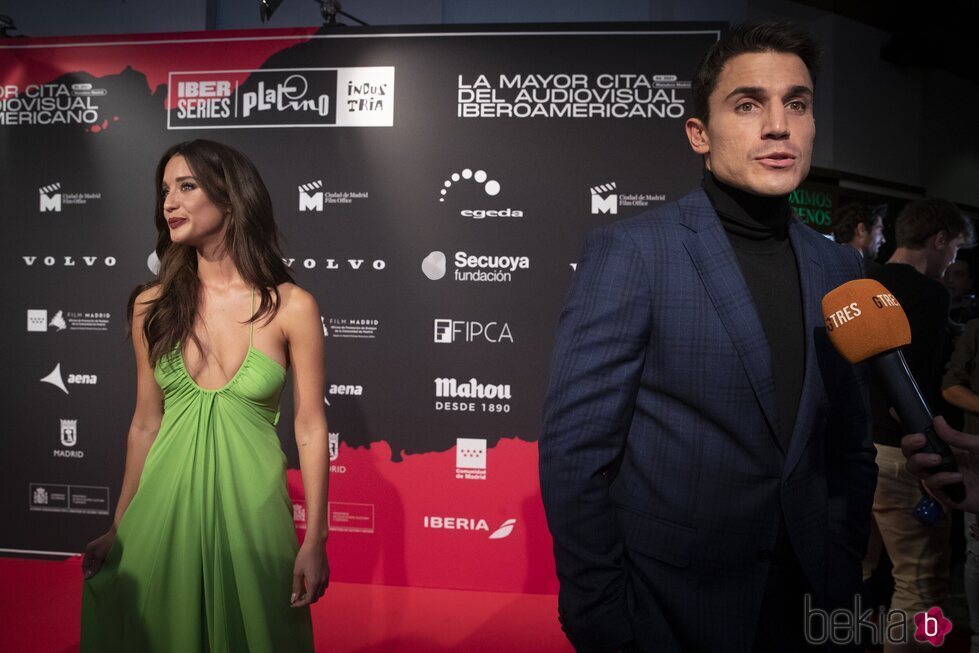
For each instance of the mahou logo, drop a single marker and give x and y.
(471, 389)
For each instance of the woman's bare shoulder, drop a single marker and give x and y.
(295, 303)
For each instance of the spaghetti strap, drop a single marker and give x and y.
(251, 325)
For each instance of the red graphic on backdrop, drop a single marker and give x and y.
(156, 56)
(414, 523)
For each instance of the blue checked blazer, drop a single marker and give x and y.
(660, 468)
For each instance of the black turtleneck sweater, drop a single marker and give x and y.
(758, 229)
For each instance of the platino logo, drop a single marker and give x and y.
(50, 197)
(607, 204)
(449, 331)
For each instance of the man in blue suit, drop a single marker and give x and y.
(706, 458)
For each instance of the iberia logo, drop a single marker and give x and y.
(931, 626)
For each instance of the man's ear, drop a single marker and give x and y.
(697, 135)
(861, 230)
(940, 240)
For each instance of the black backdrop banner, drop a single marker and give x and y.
(434, 187)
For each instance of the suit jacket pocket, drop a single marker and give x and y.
(657, 538)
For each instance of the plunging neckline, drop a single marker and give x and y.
(251, 348)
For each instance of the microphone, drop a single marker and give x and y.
(865, 322)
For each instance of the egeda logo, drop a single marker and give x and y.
(491, 187)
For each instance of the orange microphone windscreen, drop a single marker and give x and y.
(864, 319)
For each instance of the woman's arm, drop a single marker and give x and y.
(305, 341)
(142, 432)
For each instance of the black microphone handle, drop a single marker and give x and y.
(904, 395)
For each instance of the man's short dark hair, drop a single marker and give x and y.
(922, 219)
(771, 36)
(849, 216)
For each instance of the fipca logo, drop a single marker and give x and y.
(448, 331)
(282, 97)
(345, 327)
(331, 264)
(312, 197)
(52, 198)
(37, 321)
(491, 187)
(605, 201)
(57, 380)
(69, 438)
(470, 524)
(471, 396)
(471, 459)
(475, 267)
(79, 499)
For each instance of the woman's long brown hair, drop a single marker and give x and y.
(230, 181)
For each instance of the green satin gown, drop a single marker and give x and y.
(203, 557)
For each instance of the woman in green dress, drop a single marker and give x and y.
(202, 554)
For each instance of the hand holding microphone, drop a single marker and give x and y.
(865, 322)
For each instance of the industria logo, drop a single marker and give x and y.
(282, 97)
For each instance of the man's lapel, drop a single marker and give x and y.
(812, 283)
(712, 255)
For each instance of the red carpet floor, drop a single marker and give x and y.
(40, 603)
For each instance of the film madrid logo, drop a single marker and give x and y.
(453, 395)
(845, 626)
(52, 198)
(281, 97)
(471, 459)
(475, 267)
(349, 327)
(37, 321)
(69, 438)
(55, 378)
(334, 442)
(312, 197)
(490, 187)
(50, 104)
(449, 331)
